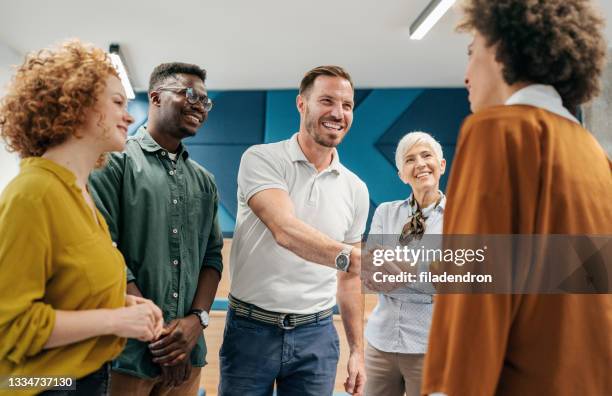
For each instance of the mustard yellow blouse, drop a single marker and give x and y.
(53, 255)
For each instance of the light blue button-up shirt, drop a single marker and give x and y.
(400, 322)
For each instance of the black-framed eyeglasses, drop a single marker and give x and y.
(191, 96)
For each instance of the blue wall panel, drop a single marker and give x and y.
(375, 115)
(223, 161)
(237, 117)
(240, 119)
(438, 112)
(282, 117)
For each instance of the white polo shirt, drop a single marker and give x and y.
(334, 201)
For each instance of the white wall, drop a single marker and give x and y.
(597, 114)
(9, 162)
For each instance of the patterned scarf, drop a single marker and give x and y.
(415, 227)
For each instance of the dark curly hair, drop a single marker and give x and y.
(49, 97)
(554, 42)
(166, 70)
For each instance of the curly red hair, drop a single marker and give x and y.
(49, 97)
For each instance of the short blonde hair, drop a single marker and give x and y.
(410, 140)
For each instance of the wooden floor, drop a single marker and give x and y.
(214, 335)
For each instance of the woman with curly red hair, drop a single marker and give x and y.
(63, 307)
(525, 165)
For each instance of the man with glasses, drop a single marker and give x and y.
(161, 208)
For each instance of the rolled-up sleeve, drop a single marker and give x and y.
(26, 322)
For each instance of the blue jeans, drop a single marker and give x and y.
(254, 355)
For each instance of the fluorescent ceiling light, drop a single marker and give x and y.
(430, 15)
(118, 63)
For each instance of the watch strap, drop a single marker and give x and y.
(198, 314)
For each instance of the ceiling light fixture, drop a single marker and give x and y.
(117, 61)
(430, 15)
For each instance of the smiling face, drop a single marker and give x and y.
(326, 110)
(177, 116)
(421, 168)
(483, 76)
(108, 122)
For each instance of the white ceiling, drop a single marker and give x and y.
(246, 44)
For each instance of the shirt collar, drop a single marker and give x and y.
(297, 155)
(39, 162)
(543, 96)
(427, 210)
(147, 143)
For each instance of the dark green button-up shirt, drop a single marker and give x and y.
(163, 216)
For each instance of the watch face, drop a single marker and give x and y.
(204, 318)
(342, 261)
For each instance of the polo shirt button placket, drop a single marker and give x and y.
(314, 192)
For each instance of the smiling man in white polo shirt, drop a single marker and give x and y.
(295, 251)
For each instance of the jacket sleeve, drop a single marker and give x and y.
(213, 257)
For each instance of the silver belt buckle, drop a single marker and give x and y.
(281, 322)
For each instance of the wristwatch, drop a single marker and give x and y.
(343, 259)
(202, 316)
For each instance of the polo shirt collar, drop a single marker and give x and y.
(147, 143)
(297, 155)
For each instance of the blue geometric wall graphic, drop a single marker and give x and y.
(240, 119)
(451, 107)
(222, 161)
(438, 111)
(237, 117)
(360, 95)
(374, 116)
(282, 117)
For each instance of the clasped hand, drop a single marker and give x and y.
(171, 351)
(140, 319)
(176, 341)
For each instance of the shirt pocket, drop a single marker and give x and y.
(200, 211)
(99, 262)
